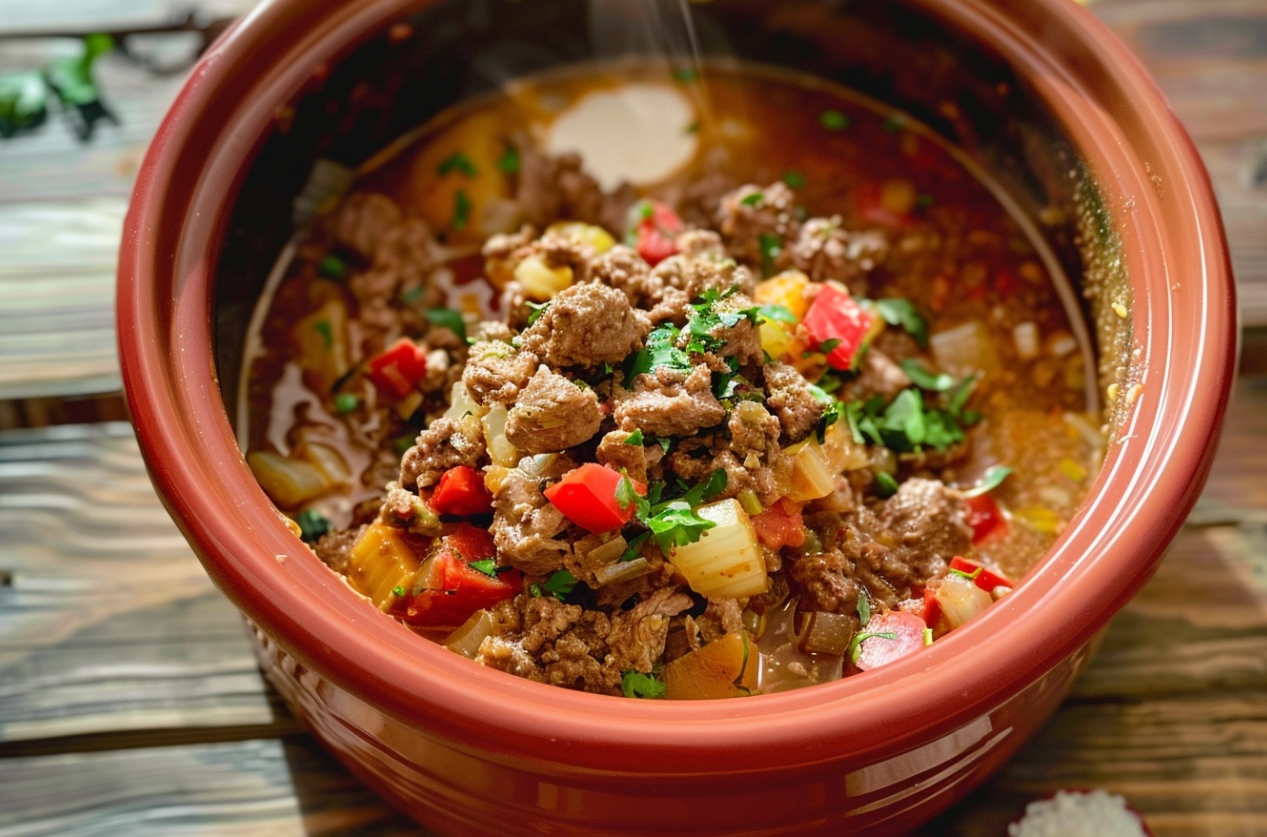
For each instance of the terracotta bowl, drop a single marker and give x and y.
(1038, 93)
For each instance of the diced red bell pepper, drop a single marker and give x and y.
(982, 577)
(655, 235)
(780, 525)
(986, 519)
(461, 491)
(398, 369)
(449, 589)
(587, 497)
(835, 316)
(908, 637)
(932, 608)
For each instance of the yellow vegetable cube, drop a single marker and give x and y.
(726, 667)
(380, 561)
(540, 281)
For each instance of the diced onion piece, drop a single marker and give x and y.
(540, 281)
(826, 633)
(960, 599)
(965, 349)
(289, 482)
(328, 461)
(812, 474)
(725, 667)
(500, 449)
(379, 562)
(462, 404)
(1025, 337)
(727, 559)
(468, 638)
(841, 451)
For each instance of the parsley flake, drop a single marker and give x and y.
(326, 331)
(509, 161)
(487, 566)
(924, 379)
(855, 647)
(346, 402)
(902, 313)
(636, 684)
(833, 120)
(535, 310)
(399, 590)
(886, 485)
(447, 318)
(461, 210)
(559, 584)
(992, 479)
(794, 179)
(635, 438)
(771, 246)
(332, 267)
(312, 525)
(457, 162)
(752, 199)
(864, 608)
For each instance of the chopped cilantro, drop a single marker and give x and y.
(459, 163)
(635, 438)
(833, 120)
(959, 397)
(906, 424)
(922, 378)
(410, 296)
(399, 590)
(346, 402)
(658, 352)
(972, 576)
(794, 179)
(487, 566)
(677, 524)
(535, 310)
(332, 267)
(893, 124)
(771, 247)
(691, 128)
(312, 525)
(447, 318)
(886, 485)
(902, 312)
(864, 608)
(326, 331)
(752, 199)
(672, 522)
(855, 646)
(993, 479)
(509, 161)
(461, 210)
(776, 312)
(666, 443)
(634, 549)
(827, 346)
(636, 684)
(560, 584)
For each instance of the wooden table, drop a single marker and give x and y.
(130, 703)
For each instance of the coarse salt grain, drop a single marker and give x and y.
(1094, 813)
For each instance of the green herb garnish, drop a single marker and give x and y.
(332, 267)
(487, 566)
(346, 402)
(658, 352)
(399, 591)
(794, 179)
(752, 199)
(924, 379)
(893, 124)
(509, 161)
(461, 210)
(771, 246)
(312, 525)
(864, 608)
(636, 684)
(886, 485)
(447, 318)
(634, 549)
(326, 331)
(902, 312)
(833, 120)
(459, 163)
(993, 479)
(635, 438)
(560, 584)
(855, 646)
(672, 522)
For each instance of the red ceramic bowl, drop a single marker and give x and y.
(1044, 97)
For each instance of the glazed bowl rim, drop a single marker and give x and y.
(182, 201)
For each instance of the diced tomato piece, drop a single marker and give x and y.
(449, 589)
(398, 369)
(907, 632)
(835, 316)
(984, 578)
(869, 198)
(587, 497)
(986, 519)
(655, 235)
(461, 491)
(932, 608)
(780, 525)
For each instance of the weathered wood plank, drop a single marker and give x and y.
(107, 621)
(280, 788)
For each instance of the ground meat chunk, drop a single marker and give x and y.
(334, 548)
(550, 188)
(587, 325)
(789, 396)
(496, 372)
(670, 403)
(749, 213)
(444, 444)
(623, 269)
(635, 460)
(636, 641)
(927, 520)
(552, 414)
(700, 273)
(526, 527)
(753, 431)
(406, 510)
(741, 340)
(880, 375)
(824, 250)
(362, 220)
(826, 582)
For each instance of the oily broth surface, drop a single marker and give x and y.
(961, 257)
